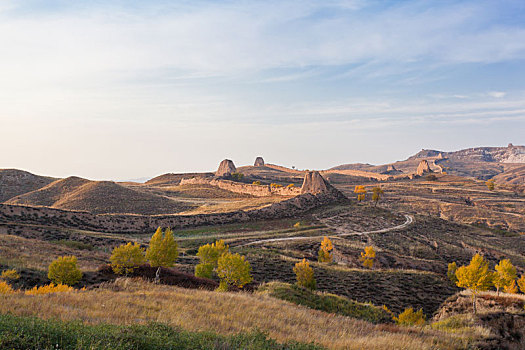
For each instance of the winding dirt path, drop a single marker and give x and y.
(409, 221)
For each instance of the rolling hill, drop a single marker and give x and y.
(503, 163)
(74, 193)
(14, 182)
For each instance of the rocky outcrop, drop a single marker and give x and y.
(391, 170)
(226, 168)
(259, 161)
(423, 168)
(315, 184)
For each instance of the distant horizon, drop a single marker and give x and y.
(202, 170)
(113, 90)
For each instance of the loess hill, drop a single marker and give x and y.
(14, 182)
(74, 193)
(504, 163)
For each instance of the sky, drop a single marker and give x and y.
(128, 89)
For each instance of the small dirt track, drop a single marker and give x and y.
(341, 233)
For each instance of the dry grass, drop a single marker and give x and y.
(36, 254)
(131, 301)
(494, 294)
(243, 204)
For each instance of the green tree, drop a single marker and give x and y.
(475, 277)
(126, 258)
(209, 255)
(204, 270)
(325, 251)
(162, 250)
(504, 276)
(304, 274)
(377, 192)
(64, 270)
(451, 272)
(233, 270)
(237, 176)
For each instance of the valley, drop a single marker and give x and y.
(275, 217)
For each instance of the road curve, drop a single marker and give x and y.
(409, 221)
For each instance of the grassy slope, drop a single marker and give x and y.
(34, 333)
(130, 302)
(397, 289)
(326, 302)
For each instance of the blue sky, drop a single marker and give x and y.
(123, 89)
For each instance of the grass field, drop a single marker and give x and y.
(131, 302)
(34, 333)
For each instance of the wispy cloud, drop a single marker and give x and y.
(497, 94)
(317, 69)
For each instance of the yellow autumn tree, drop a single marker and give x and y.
(209, 255)
(512, 288)
(49, 288)
(490, 184)
(9, 275)
(411, 318)
(504, 276)
(162, 250)
(64, 270)
(233, 270)
(5, 288)
(304, 274)
(361, 192)
(476, 277)
(377, 192)
(521, 283)
(126, 258)
(368, 256)
(325, 251)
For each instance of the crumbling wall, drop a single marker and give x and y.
(237, 187)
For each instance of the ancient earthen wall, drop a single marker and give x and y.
(254, 190)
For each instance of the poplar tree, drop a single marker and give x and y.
(376, 194)
(304, 274)
(521, 283)
(162, 250)
(325, 251)
(209, 255)
(368, 256)
(476, 277)
(233, 270)
(64, 270)
(361, 192)
(504, 276)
